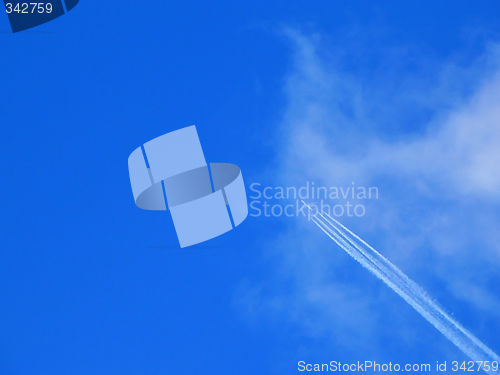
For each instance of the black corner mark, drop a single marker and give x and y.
(70, 4)
(25, 15)
(22, 16)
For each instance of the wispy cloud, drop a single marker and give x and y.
(429, 139)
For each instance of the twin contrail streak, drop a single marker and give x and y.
(412, 293)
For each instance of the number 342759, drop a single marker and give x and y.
(29, 7)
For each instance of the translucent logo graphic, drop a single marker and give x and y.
(25, 15)
(205, 200)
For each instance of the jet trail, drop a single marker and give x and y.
(411, 292)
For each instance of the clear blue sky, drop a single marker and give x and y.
(90, 284)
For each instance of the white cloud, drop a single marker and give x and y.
(439, 183)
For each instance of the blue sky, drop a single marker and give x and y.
(395, 95)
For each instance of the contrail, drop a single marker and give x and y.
(411, 292)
